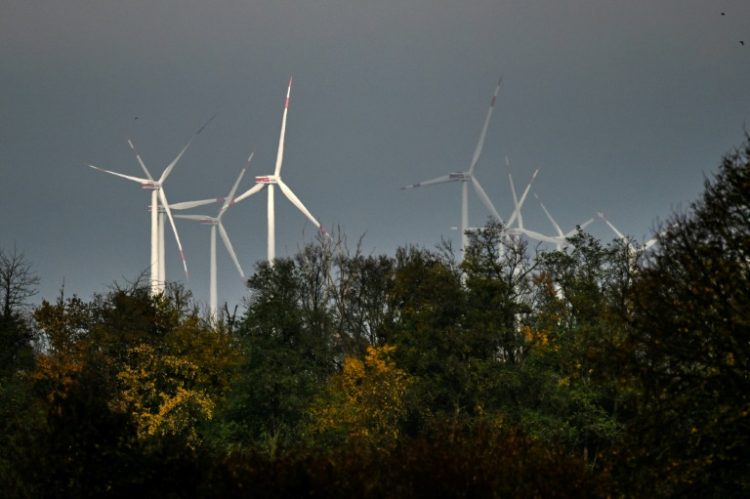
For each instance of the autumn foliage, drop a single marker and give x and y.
(596, 371)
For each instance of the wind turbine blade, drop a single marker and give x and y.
(537, 236)
(142, 181)
(513, 189)
(140, 161)
(249, 159)
(614, 229)
(199, 218)
(165, 205)
(585, 224)
(486, 200)
(483, 134)
(230, 249)
(549, 217)
(528, 188)
(197, 132)
(186, 205)
(171, 165)
(296, 202)
(439, 180)
(254, 189)
(516, 207)
(280, 150)
(230, 198)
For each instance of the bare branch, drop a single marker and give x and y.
(18, 282)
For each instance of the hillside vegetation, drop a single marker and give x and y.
(597, 371)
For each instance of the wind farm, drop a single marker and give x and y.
(469, 249)
(160, 208)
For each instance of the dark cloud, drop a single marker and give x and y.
(623, 107)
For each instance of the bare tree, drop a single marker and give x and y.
(18, 282)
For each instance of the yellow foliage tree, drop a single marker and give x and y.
(364, 402)
(163, 394)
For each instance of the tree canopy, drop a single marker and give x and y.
(591, 371)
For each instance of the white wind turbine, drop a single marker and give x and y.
(273, 180)
(633, 247)
(561, 239)
(215, 222)
(516, 216)
(518, 204)
(468, 176)
(158, 197)
(186, 205)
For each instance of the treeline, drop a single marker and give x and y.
(598, 371)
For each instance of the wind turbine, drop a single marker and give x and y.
(561, 239)
(215, 222)
(516, 216)
(272, 181)
(186, 205)
(632, 247)
(158, 196)
(518, 204)
(468, 176)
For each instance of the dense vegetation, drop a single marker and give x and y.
(598, 371)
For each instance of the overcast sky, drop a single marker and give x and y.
(624, 106)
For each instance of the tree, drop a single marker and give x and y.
(164, 394)
(17, 284)
(359, 292)
(558, 320)
(691, 345)
(497, 277)
(365, 402)
(287, 355)
(426, 306)
(126, 383)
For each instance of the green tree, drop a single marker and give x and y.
(426, 305)
(566, 388)
(21, 419)
(126, 382)
(359, 289)
(497, 281)
(287, 356)
(691, 343)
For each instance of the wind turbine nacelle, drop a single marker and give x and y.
(458, 176)
(266, 179)
(148, 185)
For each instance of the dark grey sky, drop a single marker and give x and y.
(624, 106)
